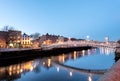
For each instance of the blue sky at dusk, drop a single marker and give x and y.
(71, 18)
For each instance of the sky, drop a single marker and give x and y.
(70, 18)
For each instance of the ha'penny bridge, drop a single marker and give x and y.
(70, 44)
(67, 44)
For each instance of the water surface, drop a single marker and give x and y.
(64, 67)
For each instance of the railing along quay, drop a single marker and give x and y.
(69, 44)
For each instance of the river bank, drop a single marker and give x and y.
(113, 74)
(16, 54)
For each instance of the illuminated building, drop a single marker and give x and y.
(2, 42)
(14, 38)
(35, 43)
(48, 39)
(60, 39)
(26, 40)
(10, 38)
(3, 39)
(53, 39)
(48, 42)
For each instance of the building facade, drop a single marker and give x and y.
(48, 39)
(10, 38)
(14, 38)
(2, 42)
(3, 39)
(26, 41)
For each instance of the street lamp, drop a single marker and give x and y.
(88, 37)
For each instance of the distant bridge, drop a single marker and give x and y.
(69, 44)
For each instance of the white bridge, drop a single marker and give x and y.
(69, 44)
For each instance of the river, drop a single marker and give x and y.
(83, 65)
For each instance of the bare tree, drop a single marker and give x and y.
(35, 35)
(6, 28)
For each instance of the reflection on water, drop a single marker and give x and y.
(58, 69)
(49, 69)
(70, 73)
(106, 51)
(14, 71)
(83, 52)
(89, 77)
(98, 59)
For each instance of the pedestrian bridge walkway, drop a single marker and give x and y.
(69, 44)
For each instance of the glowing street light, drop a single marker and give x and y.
(88, 37)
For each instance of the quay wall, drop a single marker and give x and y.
(113, 74)
(117, 50)
(20, 54)
(118, 47)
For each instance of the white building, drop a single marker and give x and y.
(26, 40)
(106, 40)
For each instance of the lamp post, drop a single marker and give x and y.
(87, 39)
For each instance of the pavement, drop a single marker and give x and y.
(113, 74)
(15, 49)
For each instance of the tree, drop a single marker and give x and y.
(6, 28)
(118, 41)
(35, 35)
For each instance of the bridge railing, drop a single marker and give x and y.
(78, 44)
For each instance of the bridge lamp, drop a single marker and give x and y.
(69, 39)
(88, 37)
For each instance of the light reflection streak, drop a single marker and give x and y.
(31, 68)
(49, 62)
(70, 74)
(83, 52)
(63, 58)
(89, 52)
(75, 55)
(94, 50)
(89, 77)
(58, 69)
(106, 51)
(43, 63)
